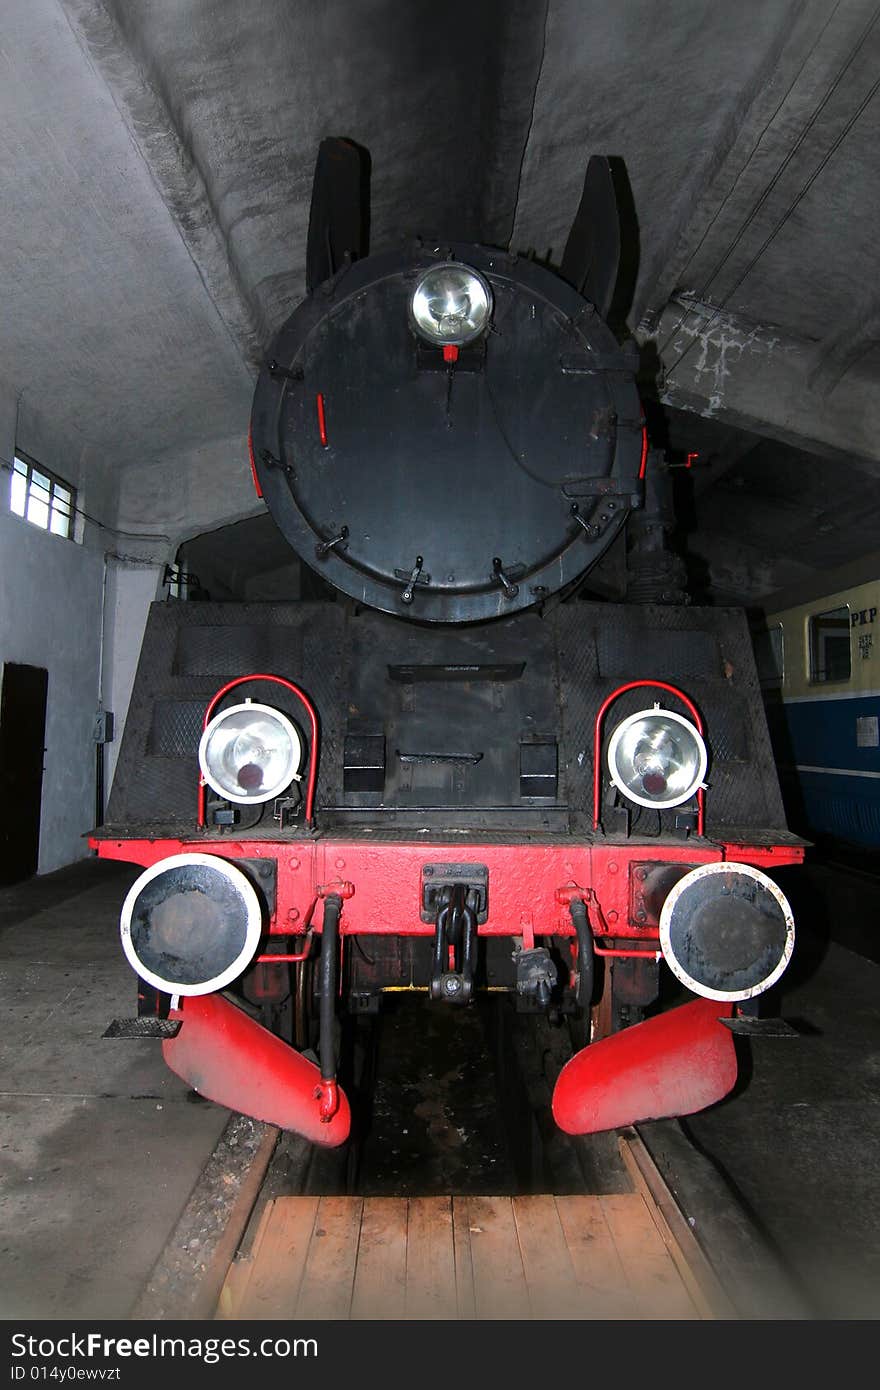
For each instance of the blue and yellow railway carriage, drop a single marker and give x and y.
(818, 654)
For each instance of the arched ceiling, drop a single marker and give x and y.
(157, 169)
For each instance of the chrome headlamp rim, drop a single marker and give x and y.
(420, 322)
(657, 803)
(291, 765)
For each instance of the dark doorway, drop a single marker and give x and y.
(22, 739)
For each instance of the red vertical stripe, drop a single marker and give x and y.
(259, 490)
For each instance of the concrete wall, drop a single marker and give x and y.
(156, 508)
(50, 616)
(131, 588)
(190, 491)
(174, 498)
(177, 497)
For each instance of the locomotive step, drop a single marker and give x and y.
(144, 1027)
(745, 1025)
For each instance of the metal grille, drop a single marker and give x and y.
(258, 648)
(189, 651)
(175, 729)
(728, 736)
(143, 1027)
(677, 657)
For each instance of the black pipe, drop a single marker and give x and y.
(440, 953)
(327, 977)
(99, 784)
(578, 909)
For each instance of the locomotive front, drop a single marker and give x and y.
(493, 783)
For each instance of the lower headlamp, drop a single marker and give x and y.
(657, 758)
(250, 753)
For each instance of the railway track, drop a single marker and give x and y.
(541, 1225)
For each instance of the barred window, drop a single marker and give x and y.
(41, 497)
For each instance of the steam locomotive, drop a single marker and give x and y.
(461, 775)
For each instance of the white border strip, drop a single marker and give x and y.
(826, 696)
(835, 771)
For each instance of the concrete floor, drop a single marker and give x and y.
(100, 1144)
(799, 1139)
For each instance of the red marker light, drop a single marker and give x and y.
(644, 459)
(322, 421)
(450, 353)
(253, 465)
(691, 459)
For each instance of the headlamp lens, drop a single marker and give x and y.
(657, 758)
(451, 305)
(250, 753)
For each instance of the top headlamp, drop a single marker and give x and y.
(451, 305)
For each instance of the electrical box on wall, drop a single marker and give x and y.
(103, 730)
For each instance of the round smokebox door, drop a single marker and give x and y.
(726, 931)
(190, 924)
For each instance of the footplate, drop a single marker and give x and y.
(147, 1026)
(746, 1026)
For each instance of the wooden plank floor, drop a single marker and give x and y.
(458, 1257)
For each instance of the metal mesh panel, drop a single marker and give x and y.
(175, 729)
(678, 657)
(729, 737)
(256, 648)
(326, 656)
(578, 698)
(189, 651)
